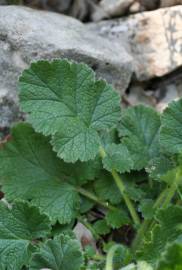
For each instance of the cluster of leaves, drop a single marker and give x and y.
(81, 158)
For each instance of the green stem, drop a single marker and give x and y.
(172, 189)
(140, 235)
(94, 198)
(110, 256)
(120, 184)
(170, 195)
(160, 199)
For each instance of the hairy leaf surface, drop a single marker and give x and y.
(139, 131)
(18, 227)
(64, 99)
(106, 189)
(159, 166)
(61, 253)
(30, 170)
(117, 218)
(101, 227)
(117, 158)
(171, 129)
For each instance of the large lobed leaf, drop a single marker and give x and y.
(171, 130)
(139, 131)
(63, 99)
(61, 253)
(19, 226)
(30, 170)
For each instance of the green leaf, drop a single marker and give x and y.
(117, 158)
(63, 99)
(166, 231)
(60, 201)
(146, 208)
(172, 258)
(18, 227)
(89, 251)
(61, 253)
(109, 137)
(86, 204)
(31, 171)
(171, 128)
(106, 189)
(133, 190)
(83, 172)
(58, 228)
(139, 131)
(101, 227)
(171, 176)
(122, 257)
(159, 166)
(117, 218)
(76, 142)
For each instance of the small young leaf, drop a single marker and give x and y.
(18, 227)
(117, 218)
(106, 189)
(30, 170)
(167, 231)
(117, 158)
(63, 99)
(139, 131)
(171, 128)
(101, 227)
(61, 253)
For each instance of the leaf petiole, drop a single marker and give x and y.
(121, 188)
(94, 198)
(110, 256)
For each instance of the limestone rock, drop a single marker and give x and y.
(27, 34)
(152, 38)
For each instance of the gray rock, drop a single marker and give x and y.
(27, 34)
(3, 2)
